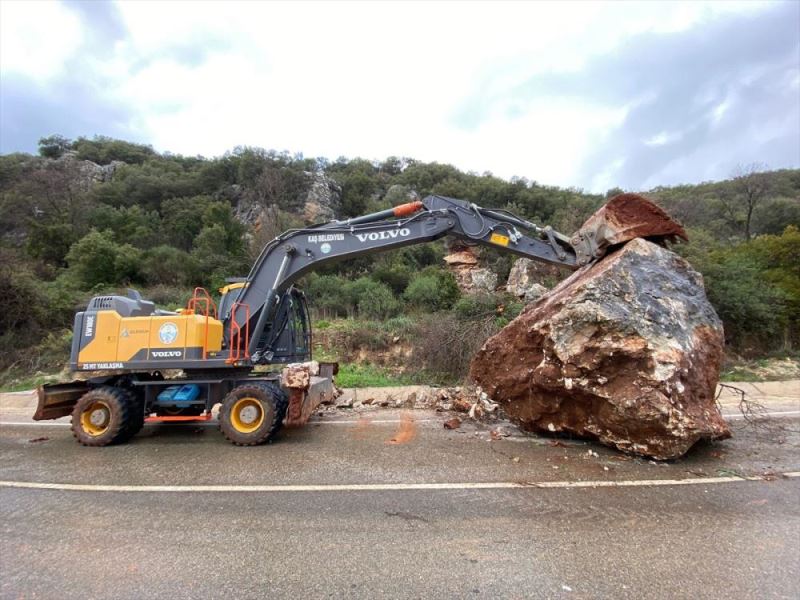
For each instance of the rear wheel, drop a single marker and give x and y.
(102, 416)
(252, 413)
(136, 416)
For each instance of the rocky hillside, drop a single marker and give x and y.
(94, 215)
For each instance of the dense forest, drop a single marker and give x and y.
(87, 216)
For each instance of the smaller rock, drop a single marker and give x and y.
(461, 405)
(476, 411)
(453, 423)
(345, 402)
(499, 433)
(464, 257)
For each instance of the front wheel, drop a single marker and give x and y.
(252, 413)
(102, 416)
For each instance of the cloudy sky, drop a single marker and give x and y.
(587, 95)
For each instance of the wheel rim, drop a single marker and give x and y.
(247, 415)
(96, 418)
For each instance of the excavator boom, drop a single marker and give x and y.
(299, 251)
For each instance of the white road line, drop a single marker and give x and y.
(33, 424)
(359, 421)
(784, 413)
(378, 487)
(365, 421)
(368, 421)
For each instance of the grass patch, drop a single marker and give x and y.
(739, 374)
(23, 384)
(366, 375)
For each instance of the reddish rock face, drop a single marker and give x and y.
(626, 351)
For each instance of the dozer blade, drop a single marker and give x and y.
(621, 219)
(58, 399)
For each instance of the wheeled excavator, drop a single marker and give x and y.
(126, 347)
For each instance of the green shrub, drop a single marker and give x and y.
(327, 294)
(167, 265)
(396, 276)
(369, 298)
(96, 260)
(476, 305)
(22, 298)
(434, 289)
(377, 302)
(169, 297)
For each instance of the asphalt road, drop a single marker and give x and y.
(318, 533)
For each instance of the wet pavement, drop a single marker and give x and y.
(317, 533)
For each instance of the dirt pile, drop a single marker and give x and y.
(627, 351)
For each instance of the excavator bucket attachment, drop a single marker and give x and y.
(621, 219)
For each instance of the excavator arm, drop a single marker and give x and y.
(298, 251)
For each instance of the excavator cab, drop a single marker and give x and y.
(288, 338)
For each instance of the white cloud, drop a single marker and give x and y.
(354, 78)
(36, 38)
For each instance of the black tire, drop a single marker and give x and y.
(252, 413)
(136, 417)
(102, 416)
(283, 408)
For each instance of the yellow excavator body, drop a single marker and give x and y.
(112, 341)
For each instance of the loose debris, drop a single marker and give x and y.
(453, 423)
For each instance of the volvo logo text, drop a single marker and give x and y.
(387, 234)
(167, 353)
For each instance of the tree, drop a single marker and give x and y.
(53, 146)
(749, 187)
(102, 150)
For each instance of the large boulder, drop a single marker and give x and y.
(626, 351)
